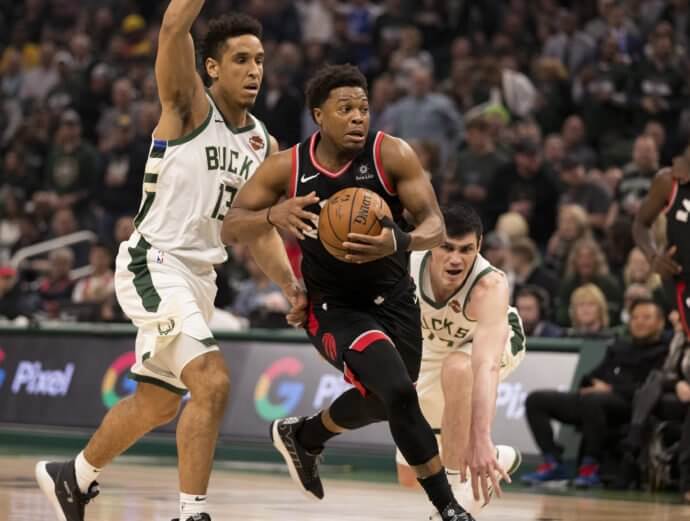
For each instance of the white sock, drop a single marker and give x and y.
(84, 472)
(192, 504)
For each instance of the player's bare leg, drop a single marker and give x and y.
(131, 418)
(197, 431)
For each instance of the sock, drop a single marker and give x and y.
(192, 504)
(438, 490)
(313, 433)
(84, 472)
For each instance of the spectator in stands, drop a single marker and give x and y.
(496, 249)
(581, 191)
(424, 114)
(532, 305)
(588, 312)
(259, 299)
(523, 186)
(97, 287)
(12, 73)
(603, 401)
(637, 178)
(63, 223)
(429, 157)
(55, 289)
(633, 293)
(123, 104)
(94, 99)
(279, 106)
(572, 225)
(574, 48)
(529, 269)
(657, 132)
(554, 100)
(554, 153)
(123, 171)
(587, 264)
(13, 303)
(124, 227)
(408, 57)
(637, 270)
(475, 166)
(512, 226)
(72, 169)
(575, 141)
(39, 80)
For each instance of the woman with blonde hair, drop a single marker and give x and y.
(638, 271)
(589, 312)
(587, 264)
(573, 224)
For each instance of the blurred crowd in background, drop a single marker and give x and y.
(550, 117)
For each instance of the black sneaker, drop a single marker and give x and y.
(196, 517)
(302, 464)
(452, 512)
(59, 483)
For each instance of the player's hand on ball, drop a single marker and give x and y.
(297, 315)
(366, 248)
(291, 216)
(485, 471)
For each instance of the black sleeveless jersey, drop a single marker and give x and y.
(324, 275)
(678, 226)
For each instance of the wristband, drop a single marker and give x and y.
(401, 238)
(268, 216)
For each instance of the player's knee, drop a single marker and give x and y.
(217, 390)
(402, 398)
(158, 405)
(457, 369)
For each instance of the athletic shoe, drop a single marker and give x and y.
(452, 512)
(196, 517)
(302, 464)
(509, 459)
(59, 483)
(551, 472)
(587, 474)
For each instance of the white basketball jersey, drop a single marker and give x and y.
(444, 324)
(190, 182)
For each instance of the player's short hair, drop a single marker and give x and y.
(461, 219)
(329, 78)
(224, 27)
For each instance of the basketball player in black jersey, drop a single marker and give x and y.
(669, 194)
(363, 317)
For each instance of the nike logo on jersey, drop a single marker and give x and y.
(219, 121)
(305, 179)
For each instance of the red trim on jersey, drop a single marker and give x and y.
(317, 165)
(292, 190)
(680, 303)
(367, 338)
(672, 197)
(350, 378)
(383, 177)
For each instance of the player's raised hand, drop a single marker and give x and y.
(485, 471)
(290, 215)
(664, 264)
(297, 298)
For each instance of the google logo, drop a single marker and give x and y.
(116, 379)
(287, 390)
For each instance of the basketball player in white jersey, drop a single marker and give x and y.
(472, 339)
(205, 146)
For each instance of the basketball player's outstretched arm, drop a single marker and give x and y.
(652, 205)
(180, 89)
(417, 196)
(489, 306)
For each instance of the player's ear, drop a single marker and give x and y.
(212, 68)
(317, 114)
(479, 243)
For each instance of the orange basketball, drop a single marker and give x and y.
(351, 210)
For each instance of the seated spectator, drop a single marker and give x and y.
(637, 270)
(259, 299)
(587, 264)
(666, 396)
(513, 226)
(528, 267)
(55, 289)
(532, 305)
(582, 191)
(496, 249)
(575, 141)
(98, 286)
(633, 293)
(588, 313)
(13, 303)
(572, 225)
(603, 401)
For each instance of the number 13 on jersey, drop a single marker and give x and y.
(224, 201)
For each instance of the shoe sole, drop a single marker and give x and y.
(47, 486)
(517, 459)
(282, 449)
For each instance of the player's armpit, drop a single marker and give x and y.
(401, 164)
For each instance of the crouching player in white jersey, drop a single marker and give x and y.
(472, 339)
(205, 146)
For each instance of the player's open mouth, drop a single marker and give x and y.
(252, 87)
(357, 135)
(453, 273)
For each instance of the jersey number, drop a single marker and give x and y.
(223, 202)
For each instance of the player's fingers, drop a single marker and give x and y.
(366, 239)
(484, 480)
(296, 232)
(358, 247)
(496, 482)
(307, 216)
(306, 200)
(475, 484)
(299, 223)
(504, 474)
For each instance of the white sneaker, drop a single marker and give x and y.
(509, 458)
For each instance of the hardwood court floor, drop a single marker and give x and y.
(135, 492)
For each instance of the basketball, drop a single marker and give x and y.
(351, 210)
